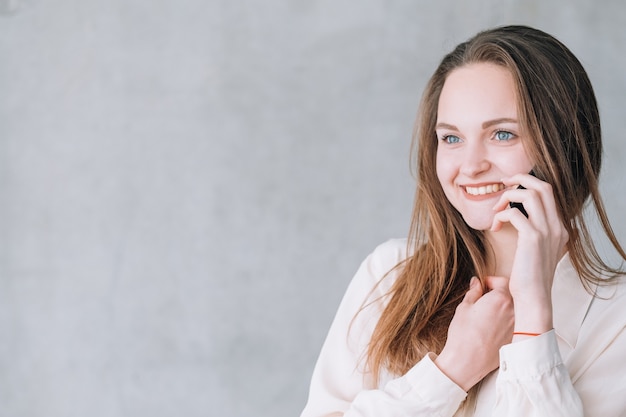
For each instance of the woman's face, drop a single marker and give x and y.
(478, 140)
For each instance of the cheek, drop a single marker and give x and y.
(514, 161)
(515, 164)
(445, 176)
(444, 171)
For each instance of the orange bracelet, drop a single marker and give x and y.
(526, 334)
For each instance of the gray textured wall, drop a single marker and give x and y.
(188, 186)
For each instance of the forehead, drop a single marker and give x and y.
(477, 92)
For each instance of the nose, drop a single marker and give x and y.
(475, 160)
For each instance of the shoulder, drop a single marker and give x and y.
(387, 255)
(598, 356)
(368, 292)
(605, 317)
(386, 259)
(612, 296)
(379, 270)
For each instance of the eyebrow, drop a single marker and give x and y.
(485, 125)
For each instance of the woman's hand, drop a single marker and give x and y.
(481, 325)
(540, 245)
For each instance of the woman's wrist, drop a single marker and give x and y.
(455, 371)
(529, 334)
(533, 314)
(532, 320)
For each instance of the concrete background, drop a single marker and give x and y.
(188, 186)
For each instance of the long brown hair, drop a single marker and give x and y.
(559, 114)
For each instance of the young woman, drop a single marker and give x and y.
(490, 308)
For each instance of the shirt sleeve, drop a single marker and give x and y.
(341, 384)
(534, 382)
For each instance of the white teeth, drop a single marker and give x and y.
(485, 189)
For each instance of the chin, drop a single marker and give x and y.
(478, 224)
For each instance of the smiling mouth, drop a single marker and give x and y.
(485, 189)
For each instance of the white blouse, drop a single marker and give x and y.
(577, 369)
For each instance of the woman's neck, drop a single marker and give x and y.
(503, 245)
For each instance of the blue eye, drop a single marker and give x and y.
(503, 135)
(451, 139)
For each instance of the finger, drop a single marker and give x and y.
(542, 188)
(532, 201)
(525, 180)
(496, 282)
(510, 215)
(514, 195)
(475, 291)
(546, 192)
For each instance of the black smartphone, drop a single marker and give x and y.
(520, 206)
